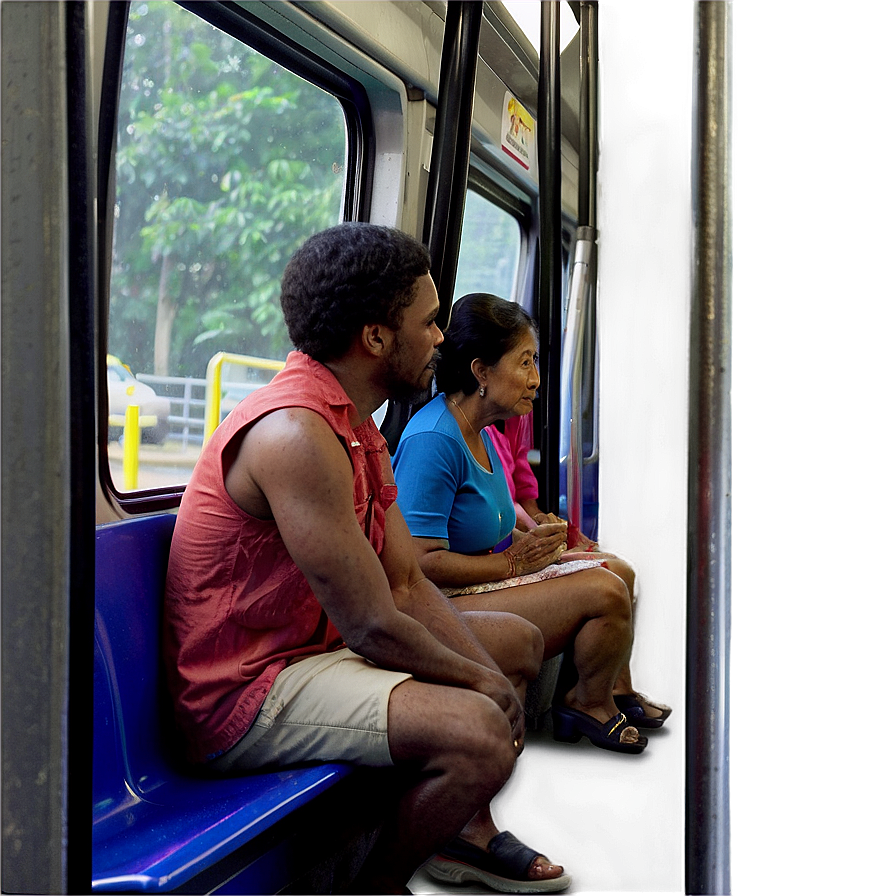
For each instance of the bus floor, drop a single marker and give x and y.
(615, 822)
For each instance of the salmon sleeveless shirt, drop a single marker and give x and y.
(237, 608)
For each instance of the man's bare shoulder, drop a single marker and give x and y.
(291, 450)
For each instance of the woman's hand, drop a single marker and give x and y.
(576, 540)
(573, 556)
(548, 518)
(537, 548)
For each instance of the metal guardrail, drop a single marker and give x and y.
(197, 404)
(186, 393)
(197, 401)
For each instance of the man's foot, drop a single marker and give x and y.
(505, 865)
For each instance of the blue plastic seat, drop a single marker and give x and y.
(156, 824)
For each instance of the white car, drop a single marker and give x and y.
(125, 389)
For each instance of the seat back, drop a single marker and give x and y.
(133, 729)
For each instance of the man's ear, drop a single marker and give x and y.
(376, 339)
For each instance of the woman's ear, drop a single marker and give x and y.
(480, 369)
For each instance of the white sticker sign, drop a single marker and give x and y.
(517, 131)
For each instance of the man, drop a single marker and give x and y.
(298, 626)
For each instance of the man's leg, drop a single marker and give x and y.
(458, 745)
(517, 646)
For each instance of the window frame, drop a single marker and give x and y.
(519, 206)
(243, 26)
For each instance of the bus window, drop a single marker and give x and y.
(225, 162)
(489, 249)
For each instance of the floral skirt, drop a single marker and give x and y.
(554, 571)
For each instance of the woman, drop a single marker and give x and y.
(513, 440)
(454, 497)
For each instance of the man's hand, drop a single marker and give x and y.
(496, 687)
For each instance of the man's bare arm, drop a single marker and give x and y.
(418, 597)
(296, 462)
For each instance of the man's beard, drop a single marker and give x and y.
(403, 385)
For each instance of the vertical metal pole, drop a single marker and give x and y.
(707, 826)
(87, 370)
(449, 169)
(550, 266)
(450, 166)
(582, 298)
(589, 144)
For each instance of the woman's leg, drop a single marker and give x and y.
(589, 611)
(624, 683)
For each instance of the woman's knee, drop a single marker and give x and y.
(605, 594)
(622, 569)
(514, 643)
(530, 649)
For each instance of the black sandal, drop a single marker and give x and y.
(504, 866)
(570, 725)
(633, 706)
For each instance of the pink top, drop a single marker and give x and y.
(513, 449)
(237, 608)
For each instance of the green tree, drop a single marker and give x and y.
(225, 163)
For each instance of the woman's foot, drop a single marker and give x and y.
(602, 713)
(570, 725)
(642, 711)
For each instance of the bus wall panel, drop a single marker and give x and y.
(814, 480)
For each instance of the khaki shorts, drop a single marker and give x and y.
(324, 708)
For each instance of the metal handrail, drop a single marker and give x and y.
(213, 384)
(581, 292)
(583, 281)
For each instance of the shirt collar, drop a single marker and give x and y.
(330, 388)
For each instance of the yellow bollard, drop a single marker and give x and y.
(131, 446)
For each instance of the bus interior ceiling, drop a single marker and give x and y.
(618, 824)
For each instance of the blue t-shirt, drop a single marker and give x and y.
(443, 491)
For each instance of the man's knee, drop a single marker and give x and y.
(437, 727)
(481, 740)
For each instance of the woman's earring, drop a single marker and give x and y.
(482, 391)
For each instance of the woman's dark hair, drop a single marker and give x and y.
(482, 326)
(343, 278)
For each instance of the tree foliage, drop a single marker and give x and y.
(226, 162)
